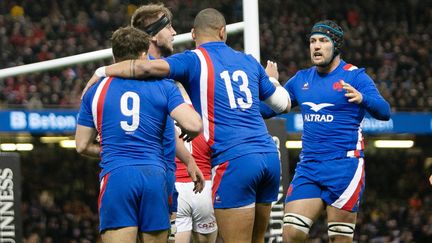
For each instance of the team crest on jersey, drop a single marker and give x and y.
(217, 199)
(338, 86)
(306, 86)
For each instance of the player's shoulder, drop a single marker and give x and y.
(166, 81)
(304, 73)
(181, 56)
(249, 57)
(348, 67)
(92, 90)
(167, 84)
(354, 74)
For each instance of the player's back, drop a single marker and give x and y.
(234, 126)
(130, 117)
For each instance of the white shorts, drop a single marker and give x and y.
(195, 211)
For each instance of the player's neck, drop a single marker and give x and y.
(331, 67)
(154, 52)
(205, 39)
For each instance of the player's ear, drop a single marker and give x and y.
(193, 33)
(153, 38)
(143, 56)
(222, 33)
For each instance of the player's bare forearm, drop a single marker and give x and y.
(93, 150)
(188, 120)
(139, 69)
(181, 151)
(84, 137)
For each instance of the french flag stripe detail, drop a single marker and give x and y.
(103, 184)
(207, 84)
(97, 103)
(351, 194)
(217, 172)
(350, 67)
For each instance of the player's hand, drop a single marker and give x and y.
(430, 179)
(196, 176)
(186, 135)
(351, 93)
(272, 70)
(92, 81)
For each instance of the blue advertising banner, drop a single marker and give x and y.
(54, 121)
(64, 121)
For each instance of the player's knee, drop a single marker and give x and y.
(296, 227)
(340, 230)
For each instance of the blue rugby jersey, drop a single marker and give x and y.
(331, 124)
(226, 87)
(130, 118)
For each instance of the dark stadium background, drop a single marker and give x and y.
(391, 39)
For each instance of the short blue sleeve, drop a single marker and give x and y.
(266, 88)
(85, 117)
(266, 112)
(289, 86)
(174, 96)
(180, 66)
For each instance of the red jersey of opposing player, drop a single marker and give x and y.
(201, 152)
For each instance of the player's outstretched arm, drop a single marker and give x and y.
(279, 101)
(374, 103)
(84, 137)
(132, 69)
(188, 120)
(138, 69)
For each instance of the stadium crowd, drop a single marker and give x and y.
(391, 39)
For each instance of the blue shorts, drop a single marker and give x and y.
(339, 182)
(248, 179)
(134, 196)
(172, 192)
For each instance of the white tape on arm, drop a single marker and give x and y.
(279, 100)
(100, 72)
(274, 81)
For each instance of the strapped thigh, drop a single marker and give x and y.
(341, 228)
(298, 221)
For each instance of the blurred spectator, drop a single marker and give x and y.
(391, 39)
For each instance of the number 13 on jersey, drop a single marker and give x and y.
(237, 76)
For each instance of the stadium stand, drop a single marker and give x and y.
(391, 38)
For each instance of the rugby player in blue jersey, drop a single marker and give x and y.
(333, 97)
(130, 118)
(226, 87)
(155, 20)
